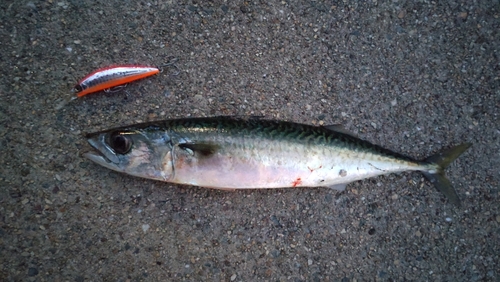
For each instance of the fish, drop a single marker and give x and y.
(233, 153)
(110, 77)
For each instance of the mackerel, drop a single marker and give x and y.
(251, 153)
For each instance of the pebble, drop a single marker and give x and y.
(309, 262)
(382, 274)
(32, 271)
(233, 277)
(498, 218)
(145, 227)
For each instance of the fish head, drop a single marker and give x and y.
(139, 153)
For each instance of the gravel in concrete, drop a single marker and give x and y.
(413, 76)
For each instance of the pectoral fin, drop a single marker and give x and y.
(201, 149)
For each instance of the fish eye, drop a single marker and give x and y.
(78, 88)
(120, 143)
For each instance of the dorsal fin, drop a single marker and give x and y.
(340, 129)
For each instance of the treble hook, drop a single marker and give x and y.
(170, 63)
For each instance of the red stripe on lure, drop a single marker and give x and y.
(106, 78)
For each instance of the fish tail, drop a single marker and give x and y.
(437, 176)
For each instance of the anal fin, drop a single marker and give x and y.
(339, 187)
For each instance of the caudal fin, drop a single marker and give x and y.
(438, 178)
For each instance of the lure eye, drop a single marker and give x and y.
(121, 144)
(78, 88)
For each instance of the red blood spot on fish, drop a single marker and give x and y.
(296, 182)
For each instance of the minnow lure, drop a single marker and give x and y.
(110, 77)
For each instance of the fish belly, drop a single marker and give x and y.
(273, 167)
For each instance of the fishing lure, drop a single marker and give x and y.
(116, 76)
(110, 77)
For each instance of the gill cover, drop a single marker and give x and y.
(135, 152)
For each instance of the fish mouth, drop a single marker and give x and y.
(103, 155)
(101, 160)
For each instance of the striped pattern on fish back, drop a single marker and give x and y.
(203, 129)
